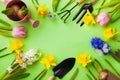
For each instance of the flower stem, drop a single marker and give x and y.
(89, 77)
(15, 68)
(13, 62)
(116, 19)
(70, 1)
(91, 73)
(6, 72)
(41, 74)
(6, 54)
(116, 57)
(7, 29)
(114, 10)
(115, 38)
(112, 66)
(2, 21)
(5, 33)
(3, 49)
(75, 74)
(36, 6)
(100, 8)
(97, 65)
(37, 2)
(1, 77)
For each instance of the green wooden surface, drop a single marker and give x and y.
(63, 40)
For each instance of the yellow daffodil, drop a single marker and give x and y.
(16, 45)
(49, 60)
(110, 32)
(84, 59)
(43, 10)
(89, 18)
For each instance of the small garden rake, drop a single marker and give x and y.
(67, 13)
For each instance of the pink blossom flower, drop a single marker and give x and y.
(19, 32)
(103, 19)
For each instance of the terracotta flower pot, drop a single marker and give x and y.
(12, 17)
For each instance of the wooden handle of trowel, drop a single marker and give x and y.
(51, 78)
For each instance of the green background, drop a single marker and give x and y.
(63, 40)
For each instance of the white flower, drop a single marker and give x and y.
(23, 65)
(31, 53)
(105, 48)
(29, 57)
(9, 69)
(99, 51)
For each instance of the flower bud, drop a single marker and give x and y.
(103, 19)
(19, 32)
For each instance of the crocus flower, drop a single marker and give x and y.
(43, 10)
(110, 33)
(84, 59)
(89, 18)
(16, 45)
(19, 32)
(100, 46)
(49, 60)
(103, 19)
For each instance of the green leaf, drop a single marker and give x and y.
(15, 73)
(3, 75)
(36, 6)
(115, 55)
(89, 77)
(24, 10)
(17, 70)
(70, 1)
(97, 65)
(55, 4)
(92, 74)
(5, 33)
(75, 74)
(41, 75)
(6, 54)
(111, 3)
(6, 28)
(8, 11)
(24, 75)
(3, 49)
(116, 7)
(3, 22)
(112, 66)
(37, 2)
(17, 77)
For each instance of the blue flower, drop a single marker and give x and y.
(100, 46)
(51, 15)
(97, 43)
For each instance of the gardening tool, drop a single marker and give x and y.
(63, 68)
(83, 10)
(67, 13)
(20, 3)
(107, 75)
